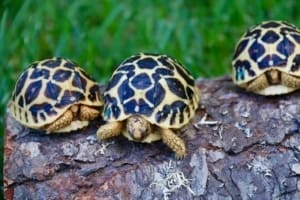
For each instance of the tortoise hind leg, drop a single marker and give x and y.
(61, 122)
(290, 81)
(87, 113)
(174, 142)
(111, 129)
(258, 84)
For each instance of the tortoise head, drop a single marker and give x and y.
(138, 128)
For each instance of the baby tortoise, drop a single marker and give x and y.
(148, 98)
(55, 95)
(267, 59)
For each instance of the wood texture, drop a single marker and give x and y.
(248, 147)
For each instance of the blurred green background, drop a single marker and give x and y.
(98, 35)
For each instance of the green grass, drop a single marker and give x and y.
(98, 35)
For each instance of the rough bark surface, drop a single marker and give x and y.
(248, 148)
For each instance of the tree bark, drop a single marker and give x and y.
(248, 147)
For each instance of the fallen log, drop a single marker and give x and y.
(240, 146)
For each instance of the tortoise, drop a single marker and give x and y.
(148, 98)
(266, 60)
(55, 95)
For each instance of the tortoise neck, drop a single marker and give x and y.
(273, 76)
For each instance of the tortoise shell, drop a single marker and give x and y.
(269, 45)
(153, 86)
(47, 88)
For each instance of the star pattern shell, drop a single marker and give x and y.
(153, 86)
(269, 45)
(47, 88)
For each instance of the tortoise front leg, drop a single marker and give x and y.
(61, 122)
(111, 129)
(174, 142)
(258, 84)
(290, 81)
(87, 113)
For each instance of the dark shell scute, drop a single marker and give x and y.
(162, 115)
(52, 90)
(21, 101)
(62, 75)
(185, 74)
(296, 37)
(144, 108)
(21, 82)
(147, 63)
(141, 81)
(181, 106)
(129, 107)
(116, 111)
(270, 61)
(94, 93)
(124, 91)
(288, 30)
(79, 81)
(140, 107)
(39, 108)
(26, 116)
(240, 48)
(256, 50)
(271, 24)
(114, 81)
(111, 108)
(164, 72)
(42, 116)
(32, 91)
(70, 65)
(52, 63)
(190, 93)
(286, 47)
(40, 73)
(165, 62)
(296, 63)
(176, 87)
(130, 74)
(69, 97)
(156, 94)
(240, 67)
(270, 37)
(127, 67)
(156, 77)
(176, 108)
